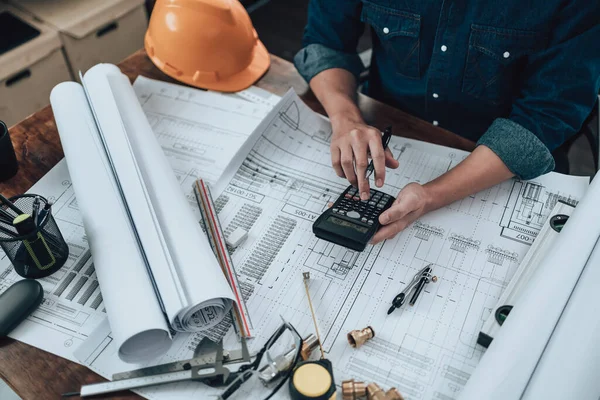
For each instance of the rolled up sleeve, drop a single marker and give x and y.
(330, 38)
(560, 90)
(522, 152)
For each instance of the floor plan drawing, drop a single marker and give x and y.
(428, 350)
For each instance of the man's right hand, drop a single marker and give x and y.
(352, 143)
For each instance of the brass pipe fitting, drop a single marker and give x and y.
(357, 338)
(308, 345)
(374, 392)
(352, 390)
(393, 394)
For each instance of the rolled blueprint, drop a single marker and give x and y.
(535, 333)
(132, 307)
(165, 238)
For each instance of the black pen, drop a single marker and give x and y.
(385, 140)
(4, 214)
(36, 210)
(44, 213)
(7, 232)
(10, 205)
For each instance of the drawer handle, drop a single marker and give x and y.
(18, 77)
(108, 28)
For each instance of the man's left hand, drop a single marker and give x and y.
(410, 204)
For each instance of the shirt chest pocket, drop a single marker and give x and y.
(398, 33)
(496, 58)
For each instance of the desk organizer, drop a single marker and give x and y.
(41, 252)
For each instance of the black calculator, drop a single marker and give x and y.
(352, 222)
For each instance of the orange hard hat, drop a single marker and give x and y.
(209, 44)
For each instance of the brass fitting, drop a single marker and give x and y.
(374, 392)
(308, 345)
(357, 338)
(352, 390)
(393, 394)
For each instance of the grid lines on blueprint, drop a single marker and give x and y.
(428, 350)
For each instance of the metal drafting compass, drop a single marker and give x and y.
(207, 366)
(418, 282)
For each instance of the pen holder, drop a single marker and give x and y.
(40, 252)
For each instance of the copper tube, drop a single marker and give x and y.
(352, 390)
(357, 338)
(308, 345)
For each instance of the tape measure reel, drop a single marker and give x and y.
(313, 380)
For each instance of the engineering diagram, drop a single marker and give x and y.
(527, 210)
(427, 351)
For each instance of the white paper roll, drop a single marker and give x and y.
(155, 267)
(510, 361)
(131, 304)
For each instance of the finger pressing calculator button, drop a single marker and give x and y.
(348, 196)
(353, 214)
(356, 198)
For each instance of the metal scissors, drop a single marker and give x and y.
(418, 282)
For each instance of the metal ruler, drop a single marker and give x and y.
(208, 366)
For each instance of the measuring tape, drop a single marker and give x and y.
(313, 380)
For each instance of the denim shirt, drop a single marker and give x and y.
(518, 76)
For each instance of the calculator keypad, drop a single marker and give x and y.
(365, 211)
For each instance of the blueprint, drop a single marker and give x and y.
(189, 126)
(276, 186)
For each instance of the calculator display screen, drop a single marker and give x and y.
(348, 224)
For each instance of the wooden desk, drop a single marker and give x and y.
(36, 374)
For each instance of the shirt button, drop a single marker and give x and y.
(444, 48)
(386, 30)
(506, 54)
(435, 123)
(435, 95)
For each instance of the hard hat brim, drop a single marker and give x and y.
(260, 63)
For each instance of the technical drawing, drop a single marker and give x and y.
(528, 208)
(332, 260)
(427, 350)
(291, 117)
(425, 231)
(462, 244)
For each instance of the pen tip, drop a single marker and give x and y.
(392, 308)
